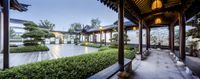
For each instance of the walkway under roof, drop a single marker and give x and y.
(141, 9)
(154, 13)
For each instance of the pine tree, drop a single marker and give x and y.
(194, 32)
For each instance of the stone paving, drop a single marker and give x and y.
(56, 51)
(158, 65)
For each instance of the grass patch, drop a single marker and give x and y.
(77, 67)
(29, 49)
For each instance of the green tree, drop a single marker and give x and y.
(34, 34)
(114, 40)
(95, 23)
(12, 33)
(75, 27)
(46, 24)
(195, 31)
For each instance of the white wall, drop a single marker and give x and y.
(98, 37)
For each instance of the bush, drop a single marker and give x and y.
(77, 67)
(30, 43)
(90, 45)
(104, 48)
(28, 49)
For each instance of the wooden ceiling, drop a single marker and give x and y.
(141, 9)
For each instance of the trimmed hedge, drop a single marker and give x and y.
(77, 67)
(90, 45)
(29, 49)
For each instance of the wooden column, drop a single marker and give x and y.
(172, 38)
(182, 35)
(170, 35)
(126, 42)
(147, 38)
(105, 37)
(6, 21)
(140, 38)
(121, 34)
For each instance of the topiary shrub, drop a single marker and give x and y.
(29, 49)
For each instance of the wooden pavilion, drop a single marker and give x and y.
(5, 6)
(153, 13)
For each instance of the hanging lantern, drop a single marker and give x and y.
(156, 4)
(134, 28)
(158, 21)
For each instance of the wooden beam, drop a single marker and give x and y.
(121, 34)
(6, 21)
(182, 35)
(162, 10)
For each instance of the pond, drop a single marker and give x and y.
(56, 51)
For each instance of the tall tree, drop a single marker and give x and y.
(95, 23)
(34, 34)
(75, 27)
(46, 24)
(12, 33)
(194, 32)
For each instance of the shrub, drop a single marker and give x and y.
(104, 48)
(77, 67)
(28, 49)
(90, 45)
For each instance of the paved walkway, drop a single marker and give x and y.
(56, 51)
(158, 65)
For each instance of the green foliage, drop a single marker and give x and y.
(104, 48)
(46, 24)
(76, 40)
(176, 39)
(34, 34)
(194, 32)
(95, 23)
(77, 67)
(28, 49)
(12, 33)
(75, 27)
(90, 44)
(114, 40)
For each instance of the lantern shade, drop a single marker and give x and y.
(134, 28)
(156, 4)
(158, 21)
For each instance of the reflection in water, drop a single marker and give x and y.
(66, 50)
(55, 51)
(86, 49)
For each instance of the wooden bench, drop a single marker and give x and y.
(110, 71)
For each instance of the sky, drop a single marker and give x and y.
(65, 12)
